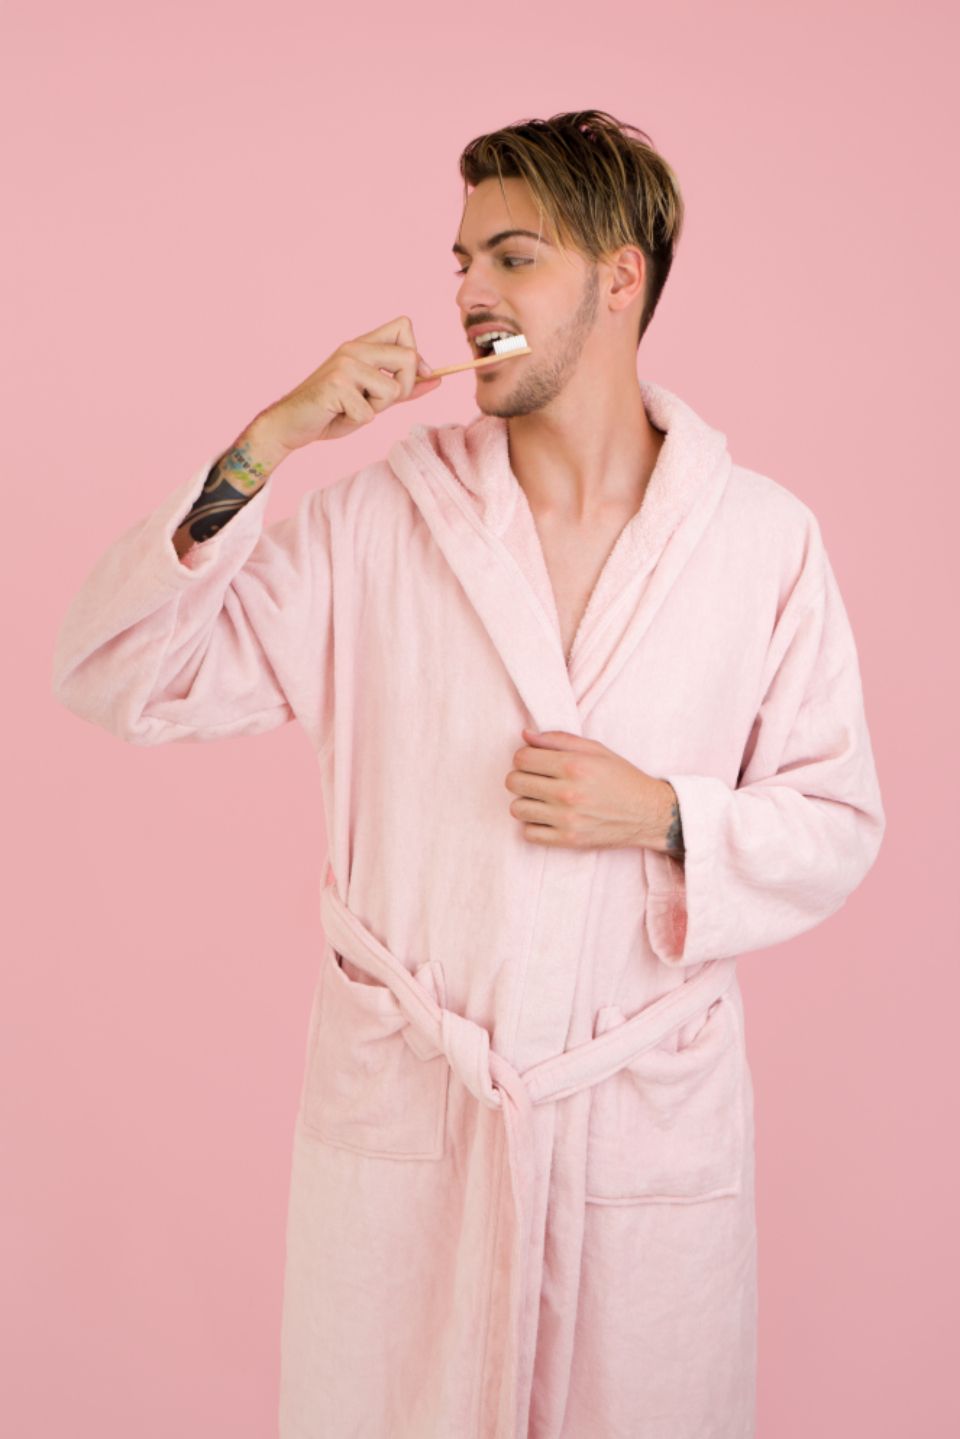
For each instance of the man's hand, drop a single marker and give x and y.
(577, 793)
(362, 378)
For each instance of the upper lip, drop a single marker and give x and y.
(474, 330)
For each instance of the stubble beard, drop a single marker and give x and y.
(538, 386)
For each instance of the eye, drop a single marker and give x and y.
(510, 260)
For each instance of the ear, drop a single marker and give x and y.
(628, 276)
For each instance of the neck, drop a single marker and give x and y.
(586, 459)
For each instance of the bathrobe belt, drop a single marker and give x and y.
(435, 1030)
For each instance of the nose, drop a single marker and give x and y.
(476, 293)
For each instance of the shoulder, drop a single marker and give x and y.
(771, 539)
(372, 491)
(770, 518)
(376, 490)
(756, 498)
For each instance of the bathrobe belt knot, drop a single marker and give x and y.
(433, 1029)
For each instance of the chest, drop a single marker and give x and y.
(666, 672)
(574, 556)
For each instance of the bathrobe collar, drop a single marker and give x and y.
(461, 480)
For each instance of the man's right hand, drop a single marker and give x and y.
(350, 388)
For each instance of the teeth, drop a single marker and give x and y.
(485, 341)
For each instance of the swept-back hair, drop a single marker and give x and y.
(599, 181)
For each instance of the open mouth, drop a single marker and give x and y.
(493, 364)
(483, 344)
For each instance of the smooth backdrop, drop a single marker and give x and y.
(201, 201)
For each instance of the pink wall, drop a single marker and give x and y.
(200, 207)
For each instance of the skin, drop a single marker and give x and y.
(583, 448)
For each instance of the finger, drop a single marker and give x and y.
(355, 407)
(399, 361)
(535, 811)
(398, 331)
(533, 786)
(402, 361)
(398, 335)
(422, 386)
(380, 389)
(538, 761)
(388, 357)
(562, 739)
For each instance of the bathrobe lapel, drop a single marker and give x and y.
(462, 482)
(496, 587)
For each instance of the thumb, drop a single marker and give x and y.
(423, 380)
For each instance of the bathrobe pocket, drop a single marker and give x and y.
(669, 1126)
(366, 1088)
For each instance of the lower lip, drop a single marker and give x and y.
(494, 364)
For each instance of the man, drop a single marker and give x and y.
(590, 724)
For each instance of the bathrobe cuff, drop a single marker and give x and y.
(765, 861)
(681, 896)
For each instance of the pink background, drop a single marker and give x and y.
(202, 203)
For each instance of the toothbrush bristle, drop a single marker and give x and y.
(514, 342)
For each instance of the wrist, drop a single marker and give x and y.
(673, 834)
(261, 445)
(664, 828)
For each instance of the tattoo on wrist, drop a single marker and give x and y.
(675, 833)
(234, 480)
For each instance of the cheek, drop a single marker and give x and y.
(547, 318)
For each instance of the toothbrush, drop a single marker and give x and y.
(515, 345)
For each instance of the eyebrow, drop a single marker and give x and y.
(495, 240)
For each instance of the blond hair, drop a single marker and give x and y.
(599, 181)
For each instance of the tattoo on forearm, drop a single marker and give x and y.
(234, 480)
(675, 834)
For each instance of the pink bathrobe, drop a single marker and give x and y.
(522, 1192)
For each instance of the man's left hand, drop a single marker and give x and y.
(577, 793)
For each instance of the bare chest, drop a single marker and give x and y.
(574, 556)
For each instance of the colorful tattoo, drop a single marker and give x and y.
(234, 480)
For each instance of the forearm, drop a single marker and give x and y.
(236, 477)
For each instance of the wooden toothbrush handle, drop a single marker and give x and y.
(475, 364)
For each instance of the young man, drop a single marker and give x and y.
(590, 724)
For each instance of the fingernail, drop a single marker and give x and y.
(423, 368)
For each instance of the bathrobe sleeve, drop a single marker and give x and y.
(783, 850)
(223, 641)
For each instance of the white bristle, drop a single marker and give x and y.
(515, 342)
